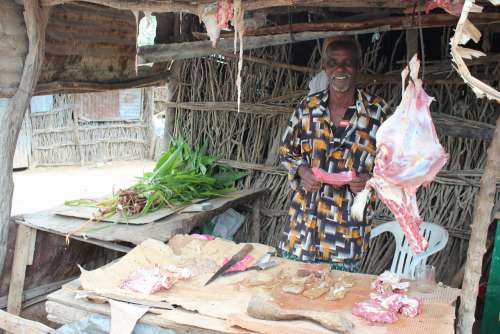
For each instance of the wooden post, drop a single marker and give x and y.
(411, 43)
(147, 117)
(477, 244)
(256, 218)
(172, 88)
(23, 256)
(11, 120)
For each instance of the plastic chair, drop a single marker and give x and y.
(405, 262)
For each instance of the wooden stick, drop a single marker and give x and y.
(477, 246)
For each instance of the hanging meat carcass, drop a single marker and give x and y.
(408, 155)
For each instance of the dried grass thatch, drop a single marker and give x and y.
(61, 138)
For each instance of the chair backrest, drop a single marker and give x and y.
(404, 261)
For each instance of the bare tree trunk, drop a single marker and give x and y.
(11, 120)
(477, 244)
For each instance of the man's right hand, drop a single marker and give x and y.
(311, 183)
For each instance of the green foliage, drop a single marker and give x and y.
(181, 175)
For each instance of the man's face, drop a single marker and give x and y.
(341, 69)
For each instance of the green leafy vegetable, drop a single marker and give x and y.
(181, 175)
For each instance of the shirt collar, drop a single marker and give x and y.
(362, 103)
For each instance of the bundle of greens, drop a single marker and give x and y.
(181, 175)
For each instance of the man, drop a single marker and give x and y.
(333, 130)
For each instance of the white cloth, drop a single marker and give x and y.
(124, 316)
(318, 83)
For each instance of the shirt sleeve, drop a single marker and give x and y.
(290, 149)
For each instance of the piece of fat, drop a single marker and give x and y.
(315, 292)
(293, 289)
(336, 292)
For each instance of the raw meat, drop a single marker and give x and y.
(216, 16)
(334, 179)
(408, 155)
(408, 306)
(147, 281)
(374, 312)
(453, 7)
(179, 272)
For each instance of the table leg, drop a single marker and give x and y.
(256, 219)
(23, 256)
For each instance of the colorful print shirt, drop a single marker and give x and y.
(319, 226)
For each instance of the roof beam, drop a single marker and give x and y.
(165, 52)
(395, 23)
(164, 6)
(299, 32)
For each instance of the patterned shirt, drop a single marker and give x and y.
(319, 226)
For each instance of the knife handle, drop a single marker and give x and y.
(242, 253)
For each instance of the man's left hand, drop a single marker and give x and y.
(358, 184)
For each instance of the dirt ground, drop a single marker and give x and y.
(44, 188)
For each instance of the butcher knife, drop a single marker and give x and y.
(235, 259)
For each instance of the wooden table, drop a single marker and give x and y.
(109, 235)
(63, 307)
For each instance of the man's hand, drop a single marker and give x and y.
(358, 184)
(311, 182)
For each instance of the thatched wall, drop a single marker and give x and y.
(252, 136)
(62, 137)
(13, 46)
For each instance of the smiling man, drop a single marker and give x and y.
(333, 130)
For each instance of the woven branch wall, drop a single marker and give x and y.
(253, 137)
(60, 138)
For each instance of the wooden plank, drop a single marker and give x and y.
(71, 87)
(30, 294)
(31, 247)
(395, 23)
(162, 230)
(63, 307)
(21, 257)
(15, 324)
(174, 51)
(86, 212)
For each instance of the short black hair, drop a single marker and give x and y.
(347, 44)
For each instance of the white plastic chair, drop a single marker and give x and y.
(405, 262)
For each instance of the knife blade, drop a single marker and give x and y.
(235, 259)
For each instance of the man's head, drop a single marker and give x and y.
(341, 61)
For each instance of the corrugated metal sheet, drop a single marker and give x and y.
(114, 105)
(13, 46)
(89, 43)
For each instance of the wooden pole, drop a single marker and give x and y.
(11, 120)
(479, 231)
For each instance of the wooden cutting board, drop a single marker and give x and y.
(88, 212)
